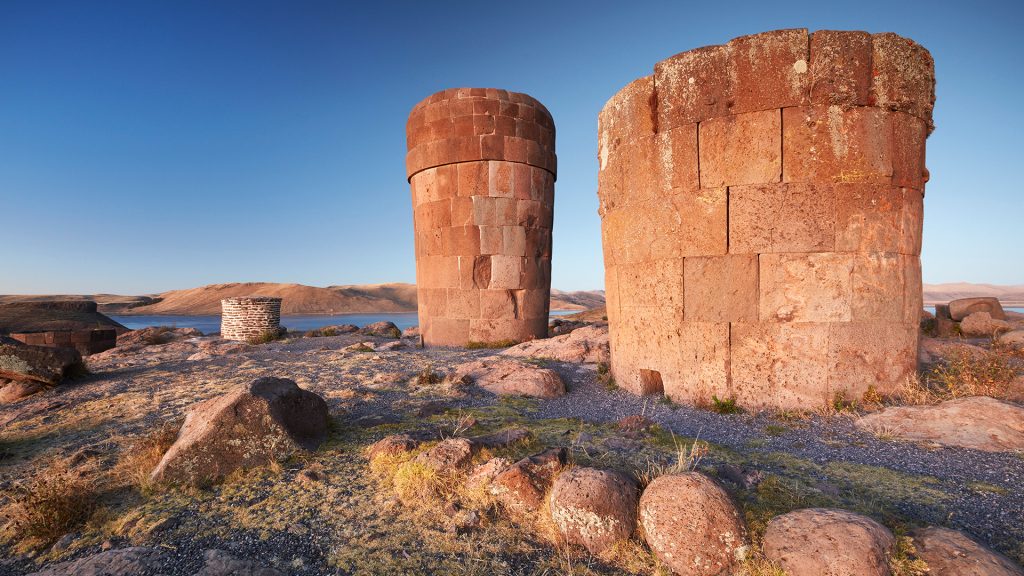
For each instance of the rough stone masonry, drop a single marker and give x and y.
(247, 317)
(761, 206)
(481, 164)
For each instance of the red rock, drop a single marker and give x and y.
(521, 487)
(951, 553)
(833, 144)
(903, 76)
(820, 542)
(741, 149)
(693, 86)
(594, 508)
(769, 70)
(840, 68)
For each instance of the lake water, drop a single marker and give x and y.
(211, 324)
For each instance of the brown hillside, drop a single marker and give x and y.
(298, 299)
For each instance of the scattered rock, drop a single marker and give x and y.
(964, 307)
(14, 390)
(388, 346)
(503, 438)
(411, 332)
(391, 446)
(692, 526)
(309, 477)
(265, 420)
(121, 562)
(746, 478)
(220, 563)
(983, 324)
(951, 553)
(431, 408)
(448, 455)
(155, 335)
(978, 422)
(583, 345)
(383, 329)
(360, 347)
(594, 508)
(510, 378)
(633, 425)
(340, 329)
(485, 473)
(820, 542)
(944, 324)
(521, 487)
(1014, 339)
(383, 378)
(558, 326)
(37, 363)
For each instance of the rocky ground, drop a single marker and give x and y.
(325, 513)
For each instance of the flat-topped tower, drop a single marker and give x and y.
(481, 165)
(249, 317)
(761, 207)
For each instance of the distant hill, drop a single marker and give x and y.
(942, 293)
(298, 299)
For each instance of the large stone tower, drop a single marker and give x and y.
(761, 207)
(481, 165)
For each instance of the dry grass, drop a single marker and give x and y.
(686, 459)
(137, 463)
(903, 560)
(54, 500)
(495, 344)
(961, 374)
(265, 337)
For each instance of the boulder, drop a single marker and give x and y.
(266, 420)
(37, 363)
(448, 455)
(932, 350)
(120, 562)
(340, 329)
(583, 345)
(391, 446)
(482, 476)
(982, 324)
(951, 553)
(977, 422)
(821, 542)
(692, 525)
(945, 326)
(594, 508)
(964, 307)
(14, 390)
(521, 487)
(220, 563)
(411, 332)
(154, 335)
(383, 329)
(1013, 339)
(558, 326)
(390, 346)
(510, 378)
(503, 438)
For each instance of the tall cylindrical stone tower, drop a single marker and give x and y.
(761, 206)
(481, 164)
(249, 317)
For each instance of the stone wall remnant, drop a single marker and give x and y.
(248, 317)
(761, 207)
(481, 165)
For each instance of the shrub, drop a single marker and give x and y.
(473, 345)
(725, 406)
(51, 503)
(428, 377)
(965, 374)
(265, 337)
(157, 335)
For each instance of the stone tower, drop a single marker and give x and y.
(248, 317)
(481, 165)
(761, 206)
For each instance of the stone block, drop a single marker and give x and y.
(447, 332)
(513, 241)
(492, 239)
(741, 149)
(463, 303)
(913, 296)
(500, 180)
(912, 225)
(628, 115)
(769, 70)
(780, 365)
(698, 224)
(781, 217)
(652, 283)
(721, 288)
(869, 218)
(461, 241)
(473, 178)
(693, 86)
(835, 144)
(506, 272)
(675, 154)
(805, 287)
(495, 304)
(866, 354)
(700, 361)
(840, 68)
(908, 143)
(433, 301)
(903, 76)
(878, 287)
(534, 304)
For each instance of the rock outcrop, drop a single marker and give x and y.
(382, 329)
(978, 422)
(137, 561)
(820, 542)
(951, 553)
(583, 345)
(266, 420)
(510, 378)
(983, 324)
(594, 508)
(963, 307)
(448, 455)
(692, 525)
(220, 563)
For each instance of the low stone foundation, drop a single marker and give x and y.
(85, 341)
(249, 317)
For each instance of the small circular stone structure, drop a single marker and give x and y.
(248, 317)
(761, 207)
(481, 165)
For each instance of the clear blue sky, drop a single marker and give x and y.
(153, 145)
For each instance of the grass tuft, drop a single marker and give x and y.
(54, 501)
(142, 456)
(474, 345)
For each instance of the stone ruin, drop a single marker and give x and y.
(248, 317)
(761, 206)
(481, 165)
(74, 324)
